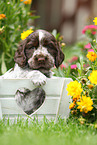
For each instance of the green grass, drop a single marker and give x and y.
(47, 133)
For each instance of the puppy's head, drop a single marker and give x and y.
(39, 50)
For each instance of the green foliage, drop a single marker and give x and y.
(79, 67)
(17, 17)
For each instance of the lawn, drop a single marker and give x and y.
(47, 133)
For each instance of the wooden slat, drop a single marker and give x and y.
(0, 111)
(13, 96)
(10, 86)
(9, 106)
(63, 108)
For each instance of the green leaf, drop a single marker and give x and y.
(54, 32)
(81, 61)
(5, 45)
(95, 91)
(95, 106)
(78, 66)
(61, 72)
(68, 71)
(3, 65)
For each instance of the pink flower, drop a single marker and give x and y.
(90, 27)
(62, 66)
(94, 32)
(74, 58)
(73, 66)
(86, 65)
(90, 50)
(87, 46)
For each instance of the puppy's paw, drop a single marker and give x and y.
(38, 79)
(39, 82)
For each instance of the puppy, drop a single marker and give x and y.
(34, 58)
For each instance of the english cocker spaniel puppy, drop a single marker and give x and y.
(34, 58)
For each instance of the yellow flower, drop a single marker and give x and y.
(95, 20)
(85, 104)
(91, 56)
(26, 34)
(71, 106)
(2, 16)
(63, 44)
(93, 77)
(74, 89)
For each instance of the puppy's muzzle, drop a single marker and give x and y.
(40, 58)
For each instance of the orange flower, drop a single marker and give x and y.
(27, 1)
(91, 56)
(71, 106)
(90, 86)
(2, 16)
(75, 98)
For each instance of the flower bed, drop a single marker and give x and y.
(14, 18)
(83, 71)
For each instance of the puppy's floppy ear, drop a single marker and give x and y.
(20, 57)
(59, 56)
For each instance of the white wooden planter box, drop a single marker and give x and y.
(56, 102)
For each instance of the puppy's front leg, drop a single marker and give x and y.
(37, 78)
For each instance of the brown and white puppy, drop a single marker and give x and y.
(34, 58)
(39, 51)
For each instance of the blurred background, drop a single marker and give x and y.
(66, 16)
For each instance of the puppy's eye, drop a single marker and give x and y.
(50, 45)
(31, 47)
